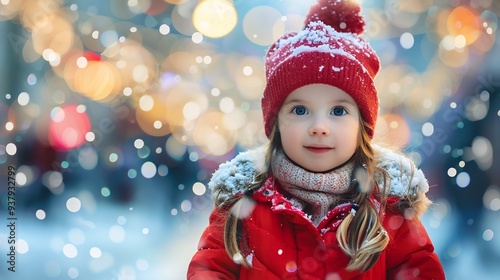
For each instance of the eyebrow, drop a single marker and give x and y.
(296, 100)
(345, 101)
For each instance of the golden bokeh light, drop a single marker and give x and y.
(466, 22)
(176, 99)
(136, 65)
(440, 82)
(250, 77)
(153, 121)
(69, 59)
(234, 120)
(215, 18)
(35, 13)
(55, 33)
(393, 130)
(181, 63)
(423, 101)
(421, 6)
(211, 135)
(394, 84)
(97, 81)
(69, 67)
(454, 58)
(146, 103)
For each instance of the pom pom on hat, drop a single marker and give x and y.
(343, 16)
(327, 51)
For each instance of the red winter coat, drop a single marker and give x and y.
(284, 243)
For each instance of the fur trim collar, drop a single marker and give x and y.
(407, 183)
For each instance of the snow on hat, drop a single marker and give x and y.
(329, 51)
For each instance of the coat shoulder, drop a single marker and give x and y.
(403, 179)
(235, 176)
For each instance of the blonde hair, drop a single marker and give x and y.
(232, 228)
(361, 235)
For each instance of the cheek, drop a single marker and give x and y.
(352, 134)
(290, 135)
(284, 126)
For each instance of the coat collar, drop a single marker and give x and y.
(408, 184)
(278, 203)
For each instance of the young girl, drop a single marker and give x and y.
(320, 202)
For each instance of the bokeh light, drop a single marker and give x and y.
(156, 7)
(110, 109)
(212, 136)
(55, 34)
(153, 121)
(68, 127)
(96, 80)
(393, 130)
(70, 251)
(214, 18)
(464, 21)
(262, 25)
(73, 204)
(182, 19)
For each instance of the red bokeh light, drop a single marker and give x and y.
(68, 128)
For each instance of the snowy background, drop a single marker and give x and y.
(115, 114)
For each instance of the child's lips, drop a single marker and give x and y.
(318, 149)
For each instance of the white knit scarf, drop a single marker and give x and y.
(318, 190)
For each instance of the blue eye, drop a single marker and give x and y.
(299, 110)
(338, 111)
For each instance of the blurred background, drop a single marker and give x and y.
(115, 114)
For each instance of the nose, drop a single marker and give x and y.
(319, 127)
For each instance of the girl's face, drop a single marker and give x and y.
(319, 126)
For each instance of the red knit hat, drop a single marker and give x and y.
(329, 51)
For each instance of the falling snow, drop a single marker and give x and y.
(115, 133)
